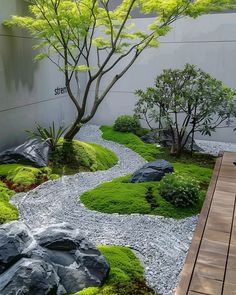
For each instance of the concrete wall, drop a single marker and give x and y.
(27, 89)
(208, 42)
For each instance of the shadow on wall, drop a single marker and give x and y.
(17, 55)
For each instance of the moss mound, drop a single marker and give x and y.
(23, 177)
(125, 277)
(77, 156)
(8, 212)
(121, 196)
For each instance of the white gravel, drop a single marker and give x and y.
(160, 243)
(215, 147)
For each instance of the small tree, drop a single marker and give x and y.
(87, 36)
(184, 102)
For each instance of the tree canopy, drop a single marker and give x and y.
(88, 37)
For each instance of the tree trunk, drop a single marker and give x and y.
(73, 130)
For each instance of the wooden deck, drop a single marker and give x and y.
(210, 267)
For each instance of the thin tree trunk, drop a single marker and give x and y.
(71, 133)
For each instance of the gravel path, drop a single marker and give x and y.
(160, 243)
(214, 147)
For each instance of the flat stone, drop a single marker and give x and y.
(152, 171)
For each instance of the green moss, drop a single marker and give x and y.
(24, 175)
(77, 156)
(150, 152)
(121, 196)
(125, 277)
(8, 212)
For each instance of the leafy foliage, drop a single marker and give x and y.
(125, 277)
(68, 31)
(121, 196)
(184, 102)
(180, 191)
(126, 123)
(51, 135)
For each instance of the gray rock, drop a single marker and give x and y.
(152, 171)
(33, 152)
(53, 254)
(150, 137)
(15, 239)
(165, 140)
(29, 276)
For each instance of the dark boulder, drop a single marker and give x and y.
(150, 137)
(152, 171)
(33, 152)
(58, 258)
(165, 140)
(29, 276)
(15, 240)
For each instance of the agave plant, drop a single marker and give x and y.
(50, 135)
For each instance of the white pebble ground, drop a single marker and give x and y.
(160, 243)
(215, 147)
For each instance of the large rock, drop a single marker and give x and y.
(52, 260)
(152, 171)
(15, 240)
(150, 137)
(29, 276)
(164, 138)
(33, 152)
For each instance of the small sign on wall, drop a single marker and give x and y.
(60, 90)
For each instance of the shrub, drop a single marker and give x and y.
(203, 102)
(126, 123)
(50, 135)
(180, 191)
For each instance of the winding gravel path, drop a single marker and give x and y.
(160, 243)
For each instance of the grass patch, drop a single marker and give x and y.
(76, 156)
(8, 212)
(121, 196)
(125, 277)
(150, 152)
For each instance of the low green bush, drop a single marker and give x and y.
(125, 277)
(181, 191)
(126, 123)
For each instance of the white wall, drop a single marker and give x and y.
(26, 88)
(208, 42)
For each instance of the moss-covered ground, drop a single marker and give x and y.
(121, 196)
(77, 156)
(8, 212)
(67, 159)
(151, 152)
(125, 277)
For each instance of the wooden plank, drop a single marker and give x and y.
(205, 285)
(186, 274)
